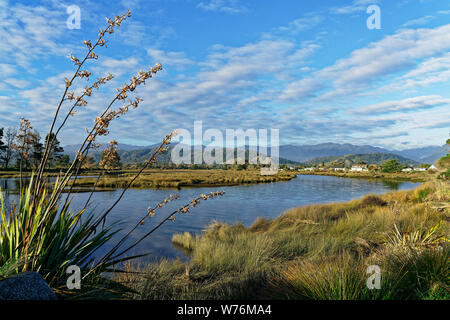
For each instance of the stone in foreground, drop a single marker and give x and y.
(26, 286)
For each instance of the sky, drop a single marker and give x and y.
(312, 69)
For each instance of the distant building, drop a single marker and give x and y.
(359, 167)
(407, 170)
(338, 169)
(433, 168)
(420, 169)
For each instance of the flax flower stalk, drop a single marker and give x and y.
(89, 55)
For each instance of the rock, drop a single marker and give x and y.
(26, 286)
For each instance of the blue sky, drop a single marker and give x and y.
(309, 68)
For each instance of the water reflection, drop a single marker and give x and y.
(394, 185)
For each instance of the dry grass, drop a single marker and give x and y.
(185, 178)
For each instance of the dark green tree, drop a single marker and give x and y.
(36, 150)
(62, 162)
(56, 151)
(391, 166)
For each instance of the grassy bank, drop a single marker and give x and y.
(315, 252)
(184, 178)
(397, 176)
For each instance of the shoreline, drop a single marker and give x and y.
(411, 177)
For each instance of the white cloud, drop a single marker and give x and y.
(367, 66)
(169, 58)
(18, 83)
(418, 21)
(356, 7)
(301, 24)
(227, 6)
(118, 67)
(414, 103)
(7, 69)
(28, 32)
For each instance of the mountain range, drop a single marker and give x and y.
(308, 152)
(293, 153)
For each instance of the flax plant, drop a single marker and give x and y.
(40, 230)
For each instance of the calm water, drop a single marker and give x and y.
(239, 204)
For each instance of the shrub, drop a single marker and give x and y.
(372, 200)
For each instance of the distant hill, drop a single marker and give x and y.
(371, 158)
(133, 156)
(424, 155)
(295, 154)
(307, 152)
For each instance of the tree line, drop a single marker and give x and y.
(22, 148)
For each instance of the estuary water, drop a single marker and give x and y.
(243, 204)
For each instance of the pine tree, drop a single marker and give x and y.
(56, 150)
(37, 150)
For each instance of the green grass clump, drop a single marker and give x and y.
(47, 239)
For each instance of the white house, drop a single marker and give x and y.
(420, 169)
(338, 169)
(407, 170)
(359, 167)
